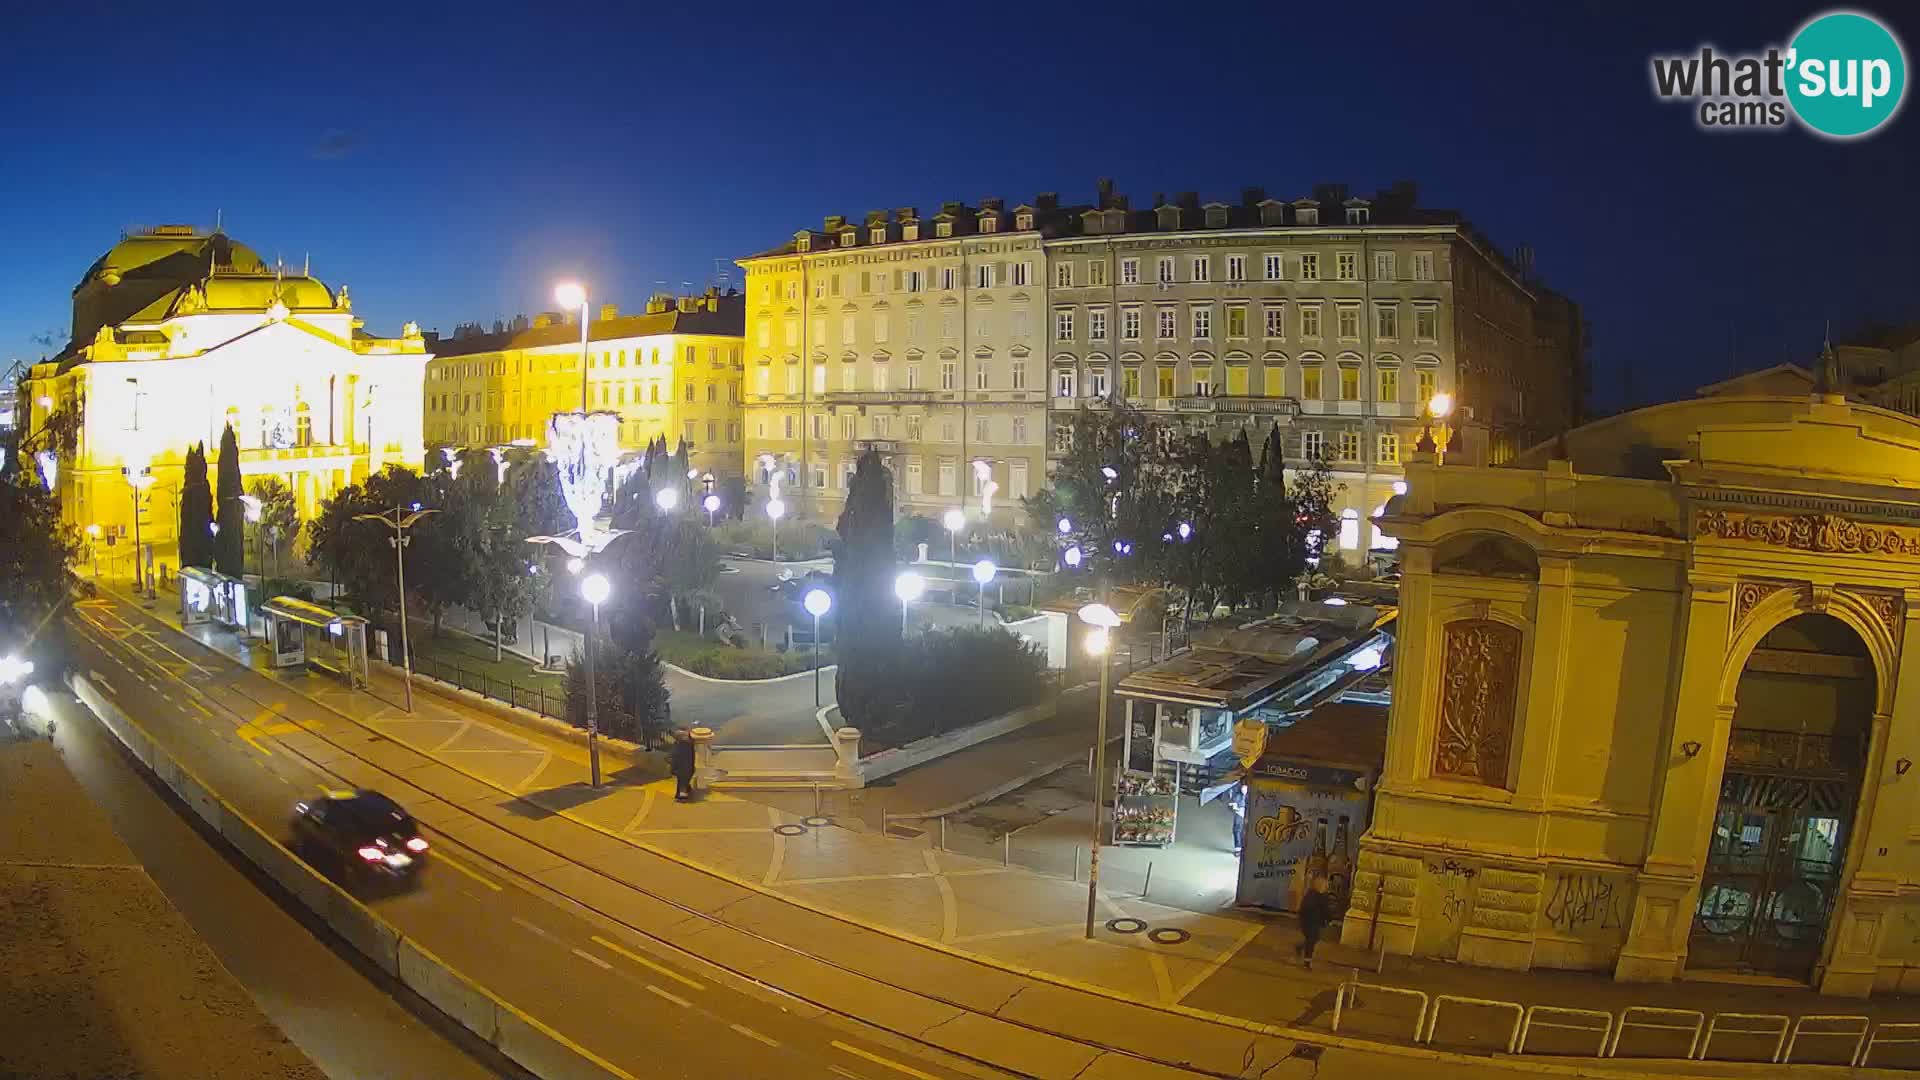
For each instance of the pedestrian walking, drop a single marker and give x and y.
(1238, 801)
(1316, 911)
(680, 761)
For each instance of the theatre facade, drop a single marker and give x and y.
(1652, 710)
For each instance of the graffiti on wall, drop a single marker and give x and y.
(1456, 885)
(1585, 904)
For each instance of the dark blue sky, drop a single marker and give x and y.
(451, 167)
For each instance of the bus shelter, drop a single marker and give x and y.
(303, 634)
(209, 596)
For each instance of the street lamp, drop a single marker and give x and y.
(253, 507)
(817, 603)
(955, 520)
(572, 294)
(712, 505)
(401, 521)
(983, 572)
(775, 509)
(93, 549)
(140, 480)
(908, 587)
(1065, 526)
(1103, 619)
(666, 499)
(1073, 557)
(594, 589)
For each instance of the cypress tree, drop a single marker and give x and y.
(230, 546)
(866, 619)
(196, 510)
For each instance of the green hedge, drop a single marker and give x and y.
(717, 661)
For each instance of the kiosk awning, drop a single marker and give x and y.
(307, 613)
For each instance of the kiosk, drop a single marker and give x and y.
(300, 633)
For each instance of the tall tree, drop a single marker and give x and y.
(1282, 545)
(36, 548)
(196, 510)
(229, 546)
(533, 488)
(866, 620)
(279, 516)
(1313, 492)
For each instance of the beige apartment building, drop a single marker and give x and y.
(1334, 316)
(922, 338)
(673, 371)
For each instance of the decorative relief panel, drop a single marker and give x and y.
(1886, 607)
(1479, 684)
(1748, 596)
(1808, 532)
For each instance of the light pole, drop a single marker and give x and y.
(775, 508)
(139, 480)
(955, 520)
(983, 572)
(594, 588)
(1103, 620)
(908, 587)
(817, 603)
(253, 507)
(400, 521)
(712, 505)
(93, 548)
(572, 294)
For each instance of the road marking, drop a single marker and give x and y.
(678, 1000)
(878, 1060)
(644, 962)
(592, 959)
(752, 1034)
(264, 725)
(838, 1071)
(531, 927)
(441, 857)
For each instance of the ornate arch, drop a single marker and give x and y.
(1773, 603)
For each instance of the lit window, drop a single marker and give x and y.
(1349, 383)
(1349, 530)
(1389, 384)
(1389, 449)
(1349, 445)
(1096, 272)
(1311, 383)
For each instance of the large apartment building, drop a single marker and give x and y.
(922, 338)
(961, 345)
(673, 370)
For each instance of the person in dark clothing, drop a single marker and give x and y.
(680, 761)
(1316, 911)
(1237, 800)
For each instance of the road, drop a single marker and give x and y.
(645, 1006)
(347, 1016)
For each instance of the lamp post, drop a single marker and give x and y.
(1440, 406)
(93, 550)
(712, 505)
(253, 507)
(983, 572)
(908, 587)
(139, 480)
(955, 520)
(817, 603)
(1103, 620)
(400, 521)
(776, 508)
(572, 294)
(594, 589)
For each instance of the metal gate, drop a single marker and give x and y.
(1773, 873)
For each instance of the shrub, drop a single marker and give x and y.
(631, 696)
(948, 679)
(717, 661)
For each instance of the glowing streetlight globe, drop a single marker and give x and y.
(776, 509)
(1441, 404)
(570, 294)
(595, 588)
(1098, 641)
(1099, 615)
(954, 520)
(1186, 530)
(711, 503)
(1064, 526)
(984, 570)
(1073, 556)
(909, 586)
(817, 602)
(666, 499)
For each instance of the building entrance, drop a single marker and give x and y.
(1776, 855)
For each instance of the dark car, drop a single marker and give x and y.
(366, 835)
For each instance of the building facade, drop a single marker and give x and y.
(917, 337)
(179, 333)
(673, 371)
(961, 345)
(1652, 710)
(1336, 317)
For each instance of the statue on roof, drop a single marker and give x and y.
(343, 302)
(1826, 375)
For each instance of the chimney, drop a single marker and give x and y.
(907, 213)
(876, 217)
(834, 222)
(1104, 189)
(1047, 200)
(1159, 199)
(991, 204)
(950, 208)
(609, 311)
(542, 320)
(657, 303)
(1253, 196)
(1189, 200)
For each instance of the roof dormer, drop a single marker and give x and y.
(1216, 215)
(1306, 212)
(1272, 212)
(1166, 216)
(1359, 211)
(1023, 217)
(849, 237)
(803, 240)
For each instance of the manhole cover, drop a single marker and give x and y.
(790, 830)
(816, 822)
(1168, 935)
(1126, 926)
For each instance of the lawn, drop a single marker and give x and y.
(717, 661)
(475, 657)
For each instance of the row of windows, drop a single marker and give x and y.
(1344, 447)
(610, 395)
(914, 479)
(880, 377)
(716, 356)
(632, 432)
(1203, 380)
(986, 275)
(1015, 430)
(1387, 323)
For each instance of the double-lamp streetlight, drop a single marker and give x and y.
(401, 522)
(1102, 619)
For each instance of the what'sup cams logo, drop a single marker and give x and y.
(1843, 76)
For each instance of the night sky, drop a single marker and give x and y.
(452, 167)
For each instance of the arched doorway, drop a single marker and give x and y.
(1795, 758)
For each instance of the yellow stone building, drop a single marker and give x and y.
(672, 371)
(1652, 707)
(178, 333)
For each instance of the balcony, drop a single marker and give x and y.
(1235, 404)
(879, 397)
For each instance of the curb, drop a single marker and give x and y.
(1039, 773)
(527, 1041)
(526, 719)
(746, 682)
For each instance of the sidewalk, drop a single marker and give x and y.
(934, 912)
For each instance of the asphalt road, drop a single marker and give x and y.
(624, 997)
(347, 1016)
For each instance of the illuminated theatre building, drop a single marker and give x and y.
(178, 333)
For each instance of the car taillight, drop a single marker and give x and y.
(417, 844)
(372, 854)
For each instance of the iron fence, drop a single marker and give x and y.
(536, 697)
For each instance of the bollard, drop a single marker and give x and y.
(1076, 863)
(816, 800)
(1006, 848)
(1148, 887)
(943, 832)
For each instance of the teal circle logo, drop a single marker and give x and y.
(1846, 74)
